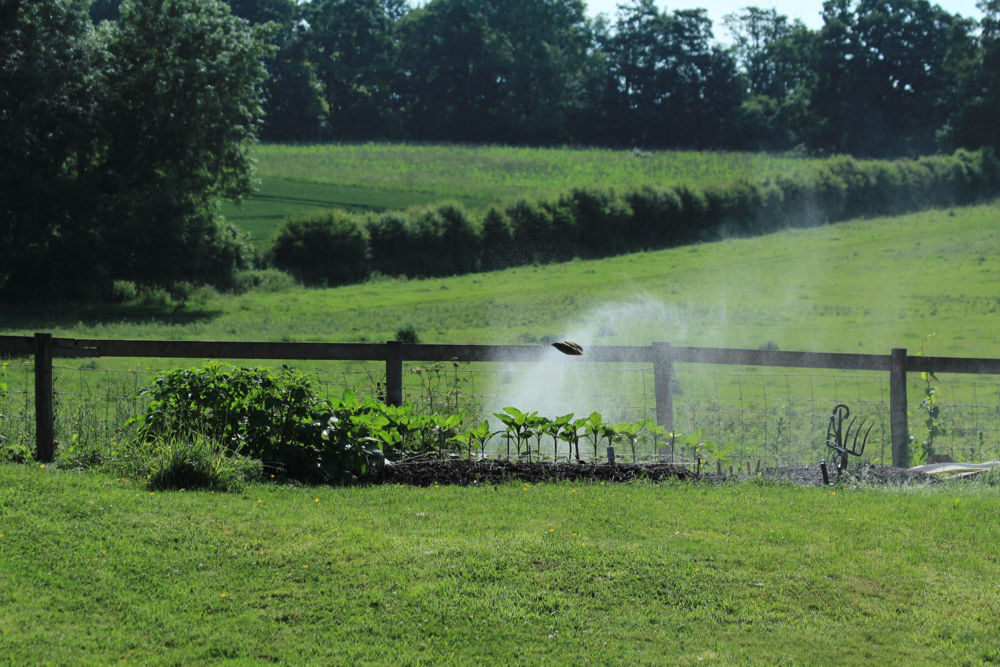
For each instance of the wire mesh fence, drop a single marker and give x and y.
(733, 414)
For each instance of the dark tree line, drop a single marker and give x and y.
(879, 78)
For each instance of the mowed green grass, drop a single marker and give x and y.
(94, 570)
(377, 177)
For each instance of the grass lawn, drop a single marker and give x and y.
(94, 570)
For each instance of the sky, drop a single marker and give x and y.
(808, 11)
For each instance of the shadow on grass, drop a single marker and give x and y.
(45, 317)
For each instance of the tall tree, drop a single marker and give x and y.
(776, 57)
(295, 107)
(128, 137)
(973, 124)
(453, 70)
(53, 71)
(353, 48)
(755, 33)
(676, 87)
(886, 68)
(548, 41)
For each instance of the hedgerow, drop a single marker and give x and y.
(594, 223)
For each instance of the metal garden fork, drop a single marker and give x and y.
(845, 441)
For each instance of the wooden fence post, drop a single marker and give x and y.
(394, 372)
(897, 409)
(44, 415)
(663, 368)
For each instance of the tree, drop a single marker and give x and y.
(53, 71)
(294, 105)
(545, 80)
(126, 138)
(755, 33)
(973, 123)
(453, 66)
(776, 57)
(353, 48)
(885, 75)
(675, 87)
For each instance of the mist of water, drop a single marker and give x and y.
(558, 385)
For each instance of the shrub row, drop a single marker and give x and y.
(335, 247)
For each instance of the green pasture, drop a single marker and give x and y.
(94, 570)
(377, 177)
(862, 286)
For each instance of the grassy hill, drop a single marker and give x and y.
(376, 177)
(861, 286)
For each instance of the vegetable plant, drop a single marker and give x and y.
(519, 426)
(629, 432)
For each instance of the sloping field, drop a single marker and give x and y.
(376, 177)
(863, 286)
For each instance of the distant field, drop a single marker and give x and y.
(377, 177)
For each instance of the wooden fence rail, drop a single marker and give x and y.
(44, 347)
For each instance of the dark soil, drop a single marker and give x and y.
(465, 473)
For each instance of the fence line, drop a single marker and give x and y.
(662, 355)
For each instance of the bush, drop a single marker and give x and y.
(262, 280)
(593, 223)
(497, 245)
(324, 248)
(408, 335)
(198, 463)
(255, 413)
(389, 238)
(533, 237)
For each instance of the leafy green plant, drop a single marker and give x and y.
(594, 426)
(519, 427)
(629, 432)
(198, 463)
(273, 417)
(570, 434)
(478, 436)
(656, 434)
(930, 409)
(554, 429)
(703, 450)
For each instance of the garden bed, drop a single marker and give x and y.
(464, 472)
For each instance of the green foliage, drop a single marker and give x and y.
(272, 417)
(595, 222)
(113, 170)
(325, 248)
(931, 410)
(198, 463)
(408, 335)
(475, 437)
(521, 426)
